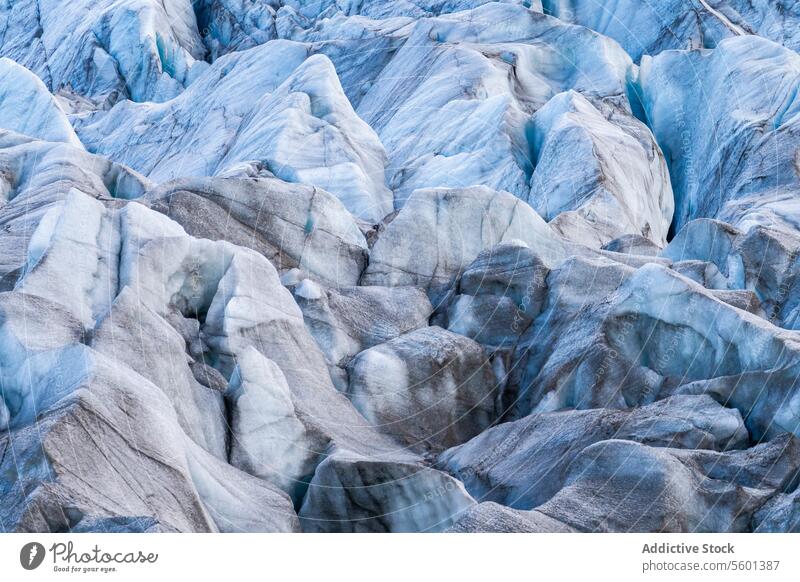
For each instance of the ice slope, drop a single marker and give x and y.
(27, 107)
(745, 169)
(473, 131)
(189, 135)
(426, 265)
(104, 51)
(622, 185)
(652, 27)
(292, 121)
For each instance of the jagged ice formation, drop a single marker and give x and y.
(412, 266)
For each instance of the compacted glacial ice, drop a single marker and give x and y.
(414, 266)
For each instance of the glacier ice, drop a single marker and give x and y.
(624, 191)
(760, 261)
(134, 460)
(104, 51)
(779, 514)
(163, 361)
(306, 131)
(381, 497)
(202, 118)
(294, 106)
(654, 27)
(29, 108)
(267, 438)
(490, 517)
(745, 171)
(295, 226)
(349, 320)
(234, 25)
(473, 132)
(677, 490)
(457, 224)
(498, 295)
(425, 265)
(430, 388)
(521, 464)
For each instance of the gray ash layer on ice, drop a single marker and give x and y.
(412, 266)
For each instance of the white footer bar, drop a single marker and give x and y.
(373, 558)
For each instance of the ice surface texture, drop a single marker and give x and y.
(411, 266)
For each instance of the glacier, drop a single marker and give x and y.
(412, 266)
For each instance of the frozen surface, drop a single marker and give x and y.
(424, 265)
(744, 170)
(653, 27)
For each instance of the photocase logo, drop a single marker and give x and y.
(31, 555)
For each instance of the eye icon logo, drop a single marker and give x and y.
(31, 555)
